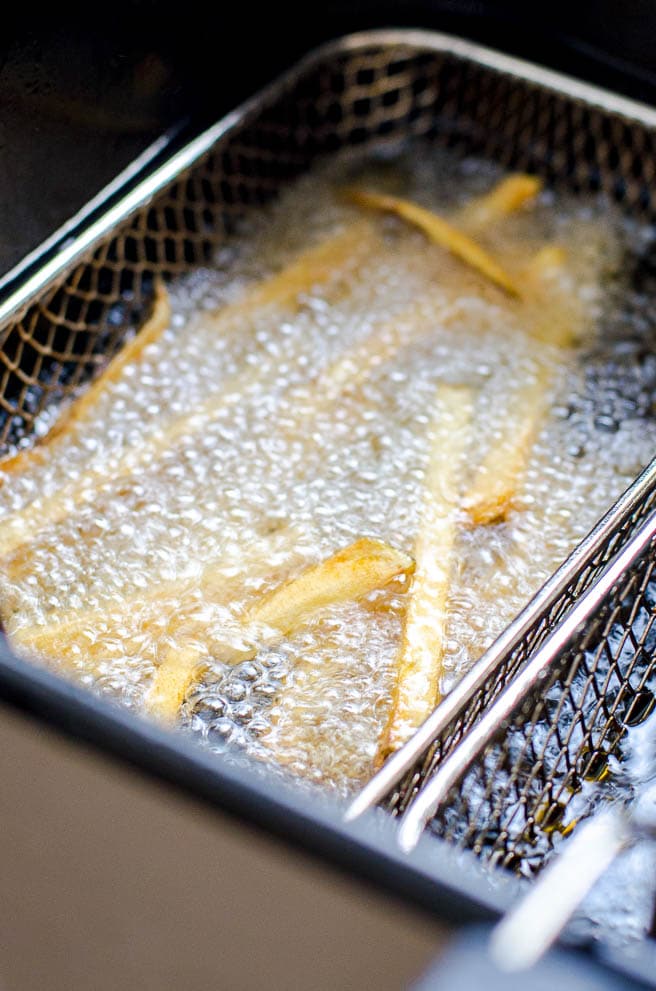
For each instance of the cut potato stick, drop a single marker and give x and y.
(494, 489)
(219, 583)
(556, 316)
(439, 231)
(416, 692)
(82, 409)
(555, 320)
(180, 669)
(508, 196)
(357, 570)
(363, 566)
(320, 264)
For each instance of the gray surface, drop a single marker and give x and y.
(111, 881)
(466, 966)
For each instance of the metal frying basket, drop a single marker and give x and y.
(521, 778)
(360, 92)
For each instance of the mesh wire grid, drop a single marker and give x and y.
(350, 95)
(359, 93)
(542, 771)
(502, 663)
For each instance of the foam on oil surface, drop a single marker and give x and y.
(288, 467)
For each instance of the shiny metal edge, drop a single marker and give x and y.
(536, 921)
(166, 174)
(404, 759)
(67, 230)
(433, 794)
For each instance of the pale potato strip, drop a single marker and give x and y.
(51, 637)
(317, 264)
(439, 231)
(82, 409)
(557, 319)
(181, 667)
(509, 195)
(420, 660)
(363, 566)
(359, 569)
(320, 264)
(493, 491)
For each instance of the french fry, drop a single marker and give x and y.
(556, 320)
(439, 231)
(416, 692)
(556, 317)
(317, 265)
(323, 263)
(508, 196)
(181, 667)
(493, 491)
(219, 583)
(360, 568)
(363, 566)
(82, 409)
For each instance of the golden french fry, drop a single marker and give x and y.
(219, 583)
(82, 408)
(416, 692)
(181, 667)
(508, 196)
(360, 568)
(321, 264)
(555, 318)
(439, 231)
(494, 489)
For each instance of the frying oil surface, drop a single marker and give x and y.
(300, 436)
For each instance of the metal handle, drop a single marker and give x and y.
(530, 929)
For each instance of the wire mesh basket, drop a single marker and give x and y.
(522, 780)
(363, 92)
(526, 787)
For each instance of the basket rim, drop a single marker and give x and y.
(77, 246)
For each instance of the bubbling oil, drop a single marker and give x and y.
(283, 471)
